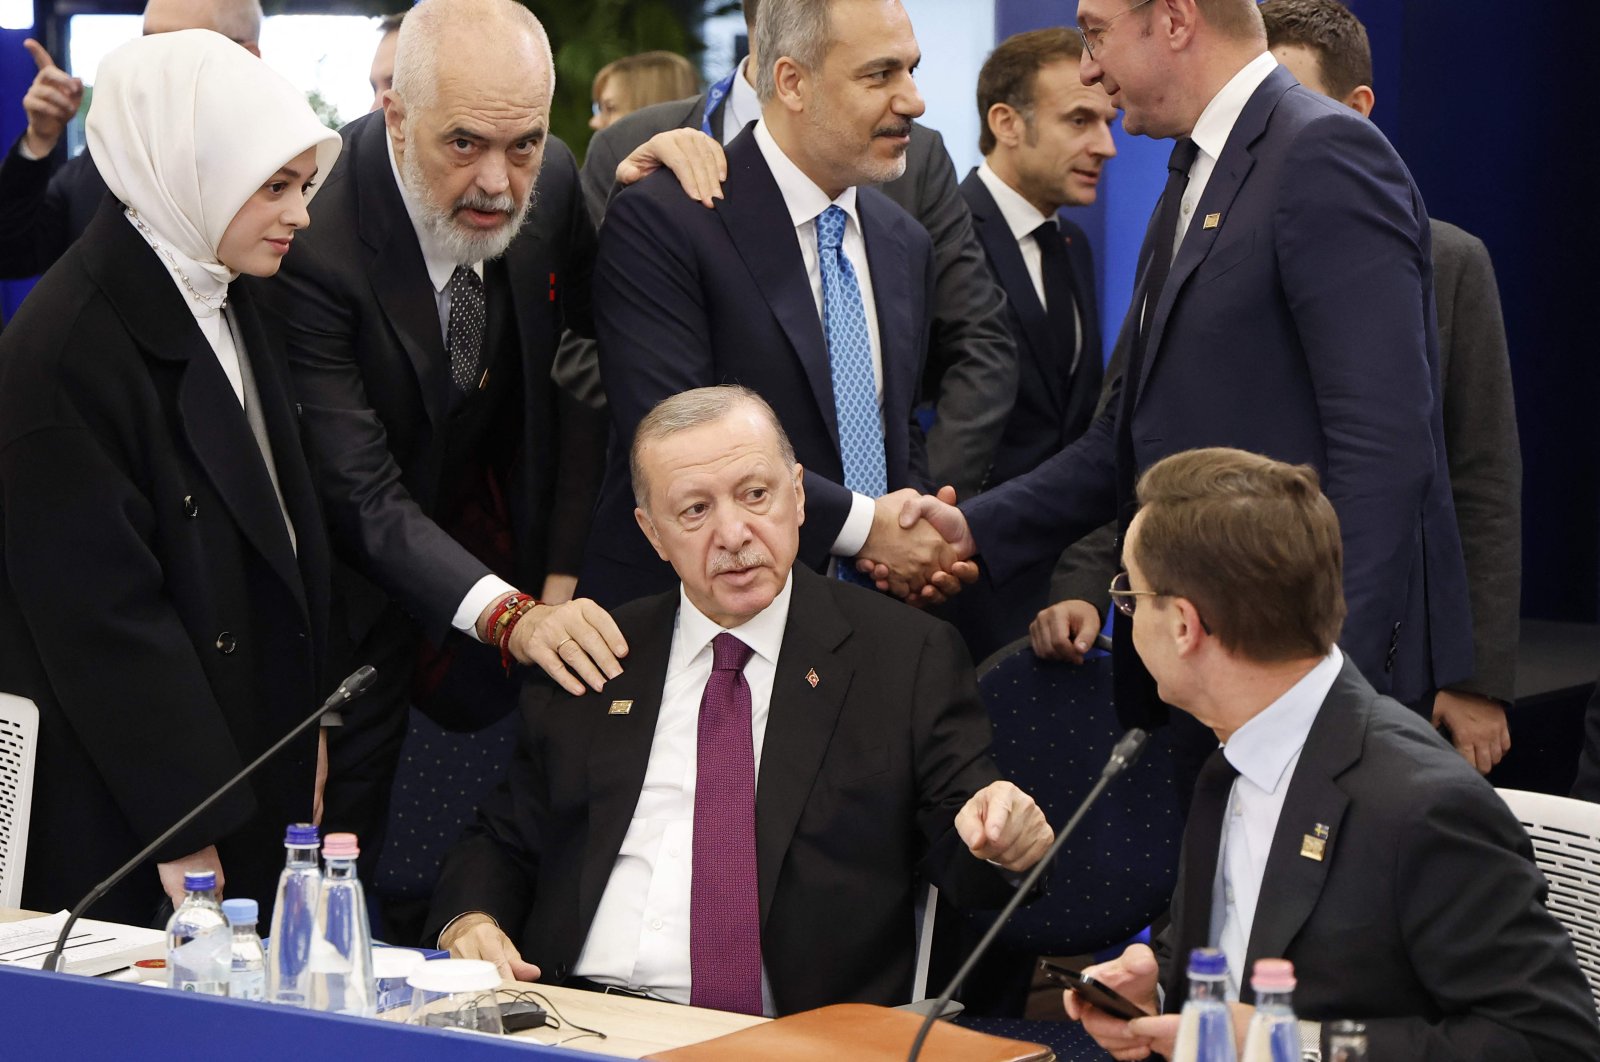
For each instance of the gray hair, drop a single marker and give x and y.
(416, 56)
(796, 28)
(694, 409)
(238, 20)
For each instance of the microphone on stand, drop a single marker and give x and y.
(351, 688)
(1122, 757)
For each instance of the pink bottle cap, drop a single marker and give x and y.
(1273, 975)
(340, 846)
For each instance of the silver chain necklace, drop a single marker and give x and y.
(211, 302)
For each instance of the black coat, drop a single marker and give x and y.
(858, 789)
(152, 604)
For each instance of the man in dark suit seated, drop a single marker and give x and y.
(1045, 137)
(1326, 48)
(802, 283)
(742, 824)
(1333, 827)
(971, 377)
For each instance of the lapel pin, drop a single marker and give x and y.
(1212, 221)
(811, 677)
(1314, 844)
(620, 708)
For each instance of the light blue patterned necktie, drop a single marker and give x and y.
(855, 389)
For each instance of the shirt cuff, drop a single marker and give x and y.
(857, 526)
(483, 591)
(22, 149)
(438, 946)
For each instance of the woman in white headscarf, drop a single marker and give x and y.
(163, 570)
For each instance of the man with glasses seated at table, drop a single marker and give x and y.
(1332, 827)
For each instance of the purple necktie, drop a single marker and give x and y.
(724, 907)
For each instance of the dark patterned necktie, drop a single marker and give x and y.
(1060, 298)
(467, 321)
(724, 904)
(1202, 841)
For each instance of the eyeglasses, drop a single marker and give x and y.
(1093, 38)
(1125, 597)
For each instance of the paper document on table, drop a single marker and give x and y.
(93, 948)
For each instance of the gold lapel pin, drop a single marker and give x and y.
(1315, 844)
(1212, 221)
(620, 708)
(811, 677)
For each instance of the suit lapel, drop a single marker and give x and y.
(800, 722)
(1315, 804)
(1223, 187)
(619, 747)
(901, 339)
(398, 274)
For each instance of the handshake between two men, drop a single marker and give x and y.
(920, 548)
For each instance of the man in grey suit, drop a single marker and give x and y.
(972, 360)
(1332, 827)
(1326, 48)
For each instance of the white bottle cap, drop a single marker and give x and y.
(455, 975)
(391, 963)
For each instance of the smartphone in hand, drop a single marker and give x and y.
(1092, 991)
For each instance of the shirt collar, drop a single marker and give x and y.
(1021, 216)
(1264, 747)
(743, 106)
(439, 263)
(800, 193)
(1217, 120)
(762, 632)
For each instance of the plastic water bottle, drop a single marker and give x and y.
(341, 948)
(294, 919)
(1274, 1034)
(248, 978)
(1205, 1029)
(199, 942)
(1347, 1042)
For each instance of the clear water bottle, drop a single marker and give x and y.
(199, 942)
(248, 976)
(294, 919)
(341, 948)
(1274, 1034)
(1347, 1042)
(1205, 1029)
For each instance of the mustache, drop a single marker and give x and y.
(902, 129)
(489, 204)
(745, 558)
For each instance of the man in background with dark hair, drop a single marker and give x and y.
(1044, 137)
(1332, 827)
(1326, 48)
(382, 76)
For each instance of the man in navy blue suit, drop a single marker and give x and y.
(1045, 137)
(1284, 306)
(801, 285)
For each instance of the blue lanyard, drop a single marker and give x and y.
(714, 97)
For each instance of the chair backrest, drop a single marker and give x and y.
(1054, 726)
(19, 742)
(1566, 844)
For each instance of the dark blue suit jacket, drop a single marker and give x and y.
(1300, 326)
(1055, 400)
(688, 297)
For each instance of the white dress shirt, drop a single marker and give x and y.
(440, 266)
(1022, 218)
(640, 935)
(805, 202)
(1265, 751)
(742, 106)
(1211, 133)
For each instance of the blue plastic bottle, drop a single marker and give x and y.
(341, 948)
(294, 919)
(1205, 1031)
(199, 942)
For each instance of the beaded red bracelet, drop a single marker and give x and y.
(503, 619)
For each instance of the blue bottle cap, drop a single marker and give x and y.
(1207, 962)
(199, 880)
(241, 912)
(301, 835)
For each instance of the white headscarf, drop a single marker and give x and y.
(185, 127)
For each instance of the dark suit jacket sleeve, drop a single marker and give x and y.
(972, 359)
(1471, 910)
(655, 333)
(378, 526)
(952, 736)
(33, 214)
(1354, 276)
(1480, 432)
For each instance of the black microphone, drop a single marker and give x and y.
(1122, 757)
(348, 690)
